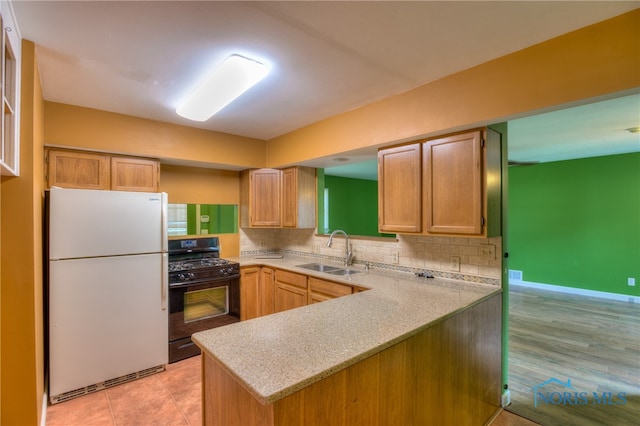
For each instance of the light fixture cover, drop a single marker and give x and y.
(232, 78)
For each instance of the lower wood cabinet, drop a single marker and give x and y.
(267, 292)
(321, 290)
(264, 291)
(291, 290)
(257, 292)
(249, 292)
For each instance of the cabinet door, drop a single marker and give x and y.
(289, 197)
(453, 184)
(289, 297)
(290, 290)
(321, 290)
(71, 169)
(134, 174)
(267, 291)
(265, 201)
(249, 293)
(400, 189)
(299, 197)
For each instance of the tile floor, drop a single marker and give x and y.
(168, 398)
(172, 397)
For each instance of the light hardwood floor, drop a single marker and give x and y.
(594, 343)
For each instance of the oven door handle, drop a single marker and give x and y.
(165, 281)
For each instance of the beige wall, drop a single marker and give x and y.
(204, 186)
(22, 356)
(84, 128)
(591, 62)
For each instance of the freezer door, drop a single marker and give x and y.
(88, 223)
(107, 319)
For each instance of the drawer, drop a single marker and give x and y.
(291, 278)
(329, 287)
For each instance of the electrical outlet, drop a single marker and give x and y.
(261, 244)
(395, 257)
(631, 282)
(488, 251)
(455, 263)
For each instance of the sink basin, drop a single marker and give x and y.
(343, 272)
(318, 267)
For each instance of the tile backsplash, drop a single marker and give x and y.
(469, 259)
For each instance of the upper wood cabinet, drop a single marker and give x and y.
(73, 169)
(10, 90)
(400, 189)
(298, 197)
(273, 198)
(453, 189)
(134, 174)
(459, 185)
(260, 200)
(89, 170)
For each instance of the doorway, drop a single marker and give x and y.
(574, 356)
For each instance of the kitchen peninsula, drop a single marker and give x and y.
(409, 350)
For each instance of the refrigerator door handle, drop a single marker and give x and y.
(164, 221)
(165, 281)
(165, 257)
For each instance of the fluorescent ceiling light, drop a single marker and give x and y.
(232, 78)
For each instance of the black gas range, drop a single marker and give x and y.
(204, 292)
(191, 271)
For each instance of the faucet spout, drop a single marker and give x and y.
(348, 255)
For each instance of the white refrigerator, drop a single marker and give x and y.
(107, 288)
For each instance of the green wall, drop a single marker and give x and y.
(353, 205)
(223, 218)
(577, 223)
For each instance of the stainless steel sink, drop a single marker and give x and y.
(318, 267)
(344, 272)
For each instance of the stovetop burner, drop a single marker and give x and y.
(205, 262)
(197, 260)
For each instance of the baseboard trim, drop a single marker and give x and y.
(580, 291)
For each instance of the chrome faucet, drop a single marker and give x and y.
(348, 255)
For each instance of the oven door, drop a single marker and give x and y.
(199, 307)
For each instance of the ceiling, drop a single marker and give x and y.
(141, 57)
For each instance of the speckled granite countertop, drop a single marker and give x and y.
(277, 355)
